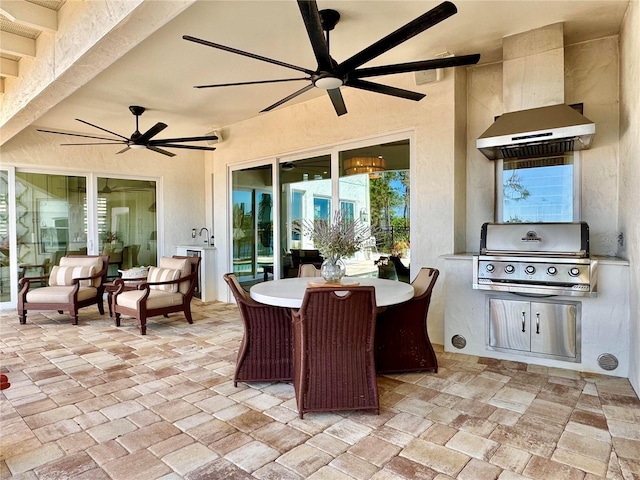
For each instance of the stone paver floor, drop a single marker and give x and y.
(97, 402)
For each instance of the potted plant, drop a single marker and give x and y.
(335, 240)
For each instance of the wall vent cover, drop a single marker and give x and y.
(458, 341)
(608, 361)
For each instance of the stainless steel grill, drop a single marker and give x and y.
(535, 258)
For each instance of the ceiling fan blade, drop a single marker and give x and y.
(286, 99)
(385, 89)
(121, 151)
(94, 143)
(246, 54)
(103, 129)
(115, 140)
(190, 147)
(203, 138)
(416, 66)
(152, 132)
(257, 82)
(159, 150)
(313, 24)
(411, 29)
(338, 102)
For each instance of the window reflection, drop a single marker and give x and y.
(252, 228)
(127, 223)
(51, 220)
(538, 190)
(375, 183)
(305, 195)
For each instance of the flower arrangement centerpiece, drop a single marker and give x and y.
(335, 240)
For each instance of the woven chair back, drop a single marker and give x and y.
(333, 350)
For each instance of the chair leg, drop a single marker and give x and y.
(116, 319)
(74, 316)
(101, 307)
(142, 324)
(22, 316)
(187, 313)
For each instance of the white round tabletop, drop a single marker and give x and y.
(289, 292)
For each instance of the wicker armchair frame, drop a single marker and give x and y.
(402, 339)
(265, 351)
(334, 365)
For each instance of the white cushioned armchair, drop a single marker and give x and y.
(76, 283)
(169, 288)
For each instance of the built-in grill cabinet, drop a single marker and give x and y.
(543, 328)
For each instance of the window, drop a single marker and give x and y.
(347, 210)
(321, 208)
(538, 189)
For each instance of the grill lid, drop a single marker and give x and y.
(542, 131)
(557, 239)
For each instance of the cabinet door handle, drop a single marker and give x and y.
(523, 321)
(538, 323)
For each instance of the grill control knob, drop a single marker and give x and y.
(530, 269)
(509, 269)
(490, 268)
(552, 270)
(574, 272)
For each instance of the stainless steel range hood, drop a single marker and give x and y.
(543, 131)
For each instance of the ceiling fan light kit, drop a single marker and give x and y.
(330, 75)
(140, 140)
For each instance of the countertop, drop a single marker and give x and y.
(602, 259)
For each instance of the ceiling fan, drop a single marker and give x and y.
(140, 140)
(331, 75)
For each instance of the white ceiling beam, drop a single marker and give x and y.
(13, 44)
(30, 15)
(8, 68)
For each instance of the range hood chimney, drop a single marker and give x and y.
(542, 131)
(537, 122)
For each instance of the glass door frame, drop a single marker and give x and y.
(13, 253)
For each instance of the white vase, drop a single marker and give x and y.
(333, 269)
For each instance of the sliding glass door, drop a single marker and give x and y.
(51, 220)
(7, 249)
(44, 216)
(369, 181)
(252, 223)
(126, 222)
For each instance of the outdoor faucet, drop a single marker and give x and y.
(206, 239)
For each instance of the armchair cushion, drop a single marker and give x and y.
(182, 264)
(84, 262)
(59, 294)
(163, 275)
(64, 276)
(156, 299)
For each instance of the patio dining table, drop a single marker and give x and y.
(289, 292)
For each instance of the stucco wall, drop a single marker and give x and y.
(314, 124)
(181, 204)
(629, 197)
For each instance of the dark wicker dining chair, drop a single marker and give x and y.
(402, 339)
(333, 366)
(265, 351)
